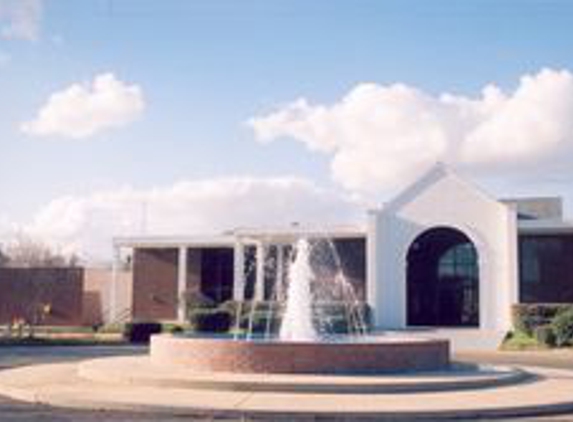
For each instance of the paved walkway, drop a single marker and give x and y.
(562, 359)
(16, 411)
(60, 385)
(13, 356)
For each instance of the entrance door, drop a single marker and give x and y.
(442, 279)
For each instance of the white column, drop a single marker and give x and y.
(372, 270)
(239, 271)
(112, 313)
(181, 283)
(280, 270)
(260, 273)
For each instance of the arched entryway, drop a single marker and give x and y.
(442, 279)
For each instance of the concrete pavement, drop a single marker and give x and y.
(11, 410)
(550, 391)
(556, 358)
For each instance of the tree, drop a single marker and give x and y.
(27, 252)
(4, 259)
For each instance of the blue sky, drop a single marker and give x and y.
(205, 68)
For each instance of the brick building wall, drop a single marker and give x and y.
(155, 273)
(46, 296)
(155, 283)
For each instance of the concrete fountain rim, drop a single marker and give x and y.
(142, 371)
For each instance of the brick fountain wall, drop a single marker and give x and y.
(226, 355)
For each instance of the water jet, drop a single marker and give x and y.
(306, 343)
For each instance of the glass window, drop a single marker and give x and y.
(546, 268)
(443, 280)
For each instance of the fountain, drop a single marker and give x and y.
(297, 322)
(307, 341)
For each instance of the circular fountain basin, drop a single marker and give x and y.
(371, 355)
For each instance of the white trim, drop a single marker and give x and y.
(239, 272)
(280, 267)
(293, 233)
(181, 284)
(260, 272)
(436, 173)
(113, 310)
(544, 226)
(175, 241)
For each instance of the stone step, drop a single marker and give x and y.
(141, 371)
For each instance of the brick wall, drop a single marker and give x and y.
(28, 292)
(378, 356)
(155, 283)
(97, 291)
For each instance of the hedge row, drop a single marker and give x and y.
(563, 328)
(141, 331)
(527, 317)
(210, 320)
(262, 317)
(550, 324)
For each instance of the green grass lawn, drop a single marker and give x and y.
(519, 340)
(46, 341)
(59, 335)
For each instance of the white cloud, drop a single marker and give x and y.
(82, 110)
(380, 136)
(5, 225)
(20, 19)
(88, 223)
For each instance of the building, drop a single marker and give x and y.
(443, 257)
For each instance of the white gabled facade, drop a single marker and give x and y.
(442, 199)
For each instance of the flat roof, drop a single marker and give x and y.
(228, 239)
(291, 233)
(174, 241)
(544, 226)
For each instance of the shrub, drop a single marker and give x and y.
(233, 307)
(196, 301)
(267, 315)
(338, 326)
(260, 313)
(172, 328)
(340, 315)
(519, 340)
(230, 306)
(210, 321)
(262, 321)
(140, 332)
(528, 316)
(544, 335)
(563, 327)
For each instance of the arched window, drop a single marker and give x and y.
(442, 279)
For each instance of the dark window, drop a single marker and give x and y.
(352, 255)
(250, 271)
(546, 268)
(217, 274)
(443, 279)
